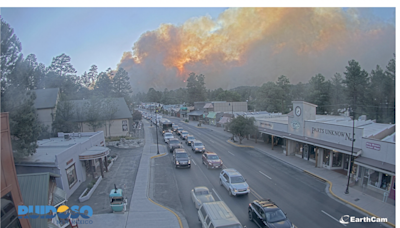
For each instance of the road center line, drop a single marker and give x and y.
(211, 141)
(216, 194)
(265, 175)
(194, 162)
(255, 194)
(231, 153)
(332, 217)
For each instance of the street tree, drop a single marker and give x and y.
(196, 88)
(103, 86)
(319, 93)
(356, 82)
(64, 121)
(242, 126)
(121, 86)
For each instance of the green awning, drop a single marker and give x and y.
(211, 115)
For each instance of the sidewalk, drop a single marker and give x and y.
(356, 198)
(143, 211)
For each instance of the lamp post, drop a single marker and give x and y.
(158, 152)
(351, 159)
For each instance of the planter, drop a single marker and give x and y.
(87, 196)
(112, 162)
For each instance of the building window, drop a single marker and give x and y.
(9, 216)
(71, 175)
(337, 159)
(312, 150)
(327, 154)
(385, 181)
(299, 149)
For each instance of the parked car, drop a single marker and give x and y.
(189, 140)
(179, 130)
(168, 136)
(173, 143)
(198, 146)
(211, 160)
(266, 213)
(184, 134)
(217, 215)
(234, 182)
(180, 158)
(201, 195)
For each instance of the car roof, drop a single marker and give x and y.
(190, 136)
(173, 139)
(180, 150)
(210, 153)
(197, 141)
(266, 204)
(232, 172)
(220, 213)
(185, 132)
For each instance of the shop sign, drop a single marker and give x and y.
(266, 125)
(373, 146)
(332, 132)
(69, 162)
(295, 125)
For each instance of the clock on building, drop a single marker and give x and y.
(297, 111)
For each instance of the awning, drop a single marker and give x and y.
(196, 113)
(274, 132)
(376, 165)
(327, 145)
(224, 120)
(211, 115)
(94, 153)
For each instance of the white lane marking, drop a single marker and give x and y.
(211, 141)
(216, 194)
(265, 175)
(194, 162)
(332, 217)
(231, 153)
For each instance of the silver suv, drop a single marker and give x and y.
(198, 146)
(173, 144)
(234, 182)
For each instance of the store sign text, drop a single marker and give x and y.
(331, 132)
(373, 146)
(266, 125)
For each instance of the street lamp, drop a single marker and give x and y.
(158, 152)
(351, 159)
(232, 108)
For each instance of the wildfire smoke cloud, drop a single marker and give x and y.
(249, 46)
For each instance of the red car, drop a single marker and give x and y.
(211, 160)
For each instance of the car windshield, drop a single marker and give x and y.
(180, 128)
(168, 135)
(275, 216)
(181, 155)
(237, 179)
(202, 192)
(190, 138)
(198, 144)
(173, 141)
(213, 157)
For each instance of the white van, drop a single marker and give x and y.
(217, 214)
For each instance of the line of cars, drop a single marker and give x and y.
(211, 213)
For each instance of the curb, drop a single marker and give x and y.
(179, 219)
(237, 145)
(345, 201)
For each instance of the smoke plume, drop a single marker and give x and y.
(251, 46)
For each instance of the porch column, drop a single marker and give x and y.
(316, 157)
(272, 142)
(101, 167)
(91, 168)
(106, 163)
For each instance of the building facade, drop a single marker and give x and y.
(74, 157)
(327, 141)
(11, 196)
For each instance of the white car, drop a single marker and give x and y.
(234, 182)
(168, 136)
(201, 195)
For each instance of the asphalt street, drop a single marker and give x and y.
(301, 196)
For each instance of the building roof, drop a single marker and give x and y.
(390, 138)
(49, 148)
(208, 105)
(35, 191)
(196, 113)
(224, 120)
(46, 98)
(123, 111)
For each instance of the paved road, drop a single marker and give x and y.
(302, 197)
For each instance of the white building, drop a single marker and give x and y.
(327, 142)
(74, 157)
